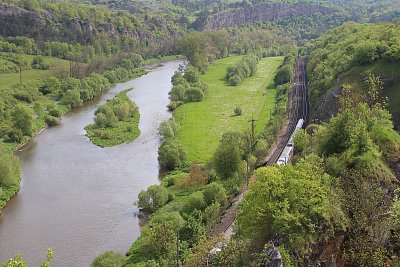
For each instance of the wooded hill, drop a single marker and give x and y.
(345, 56)
(103, 30)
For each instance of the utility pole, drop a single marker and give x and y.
(253, 127)
(177, 248)
(20, 74)
(70, 68)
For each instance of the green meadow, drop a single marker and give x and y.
(203, 123)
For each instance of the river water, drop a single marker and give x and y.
(78, 198)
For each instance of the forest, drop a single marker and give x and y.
(337, 203)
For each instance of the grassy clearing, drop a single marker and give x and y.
(203, 123)
(30, 75)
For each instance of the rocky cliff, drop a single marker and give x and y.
(263, 12)
(48, 26)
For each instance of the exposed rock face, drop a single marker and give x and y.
(328, 107)
(16, 21)
(263, 12)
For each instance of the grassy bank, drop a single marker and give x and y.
(203, 123)
(116, 122)
(44, 106)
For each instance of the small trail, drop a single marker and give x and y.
(298, 109)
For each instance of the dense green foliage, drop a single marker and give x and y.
(18, 261)
(346, 55)
(201, 48)
(294, 202)
(86, 30)
(109, 259)
(343, 162)
(186, 87)
(116, 122)
(246, 67)
(184, 209)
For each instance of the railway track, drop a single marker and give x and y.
(298, 109)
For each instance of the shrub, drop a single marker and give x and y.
(52, 121)
(194, 202)
(55, 112)
(168, 128)
(153, 198)
(194, 94)
(109, 259)
(215, 193)
(171, 155)
(237, 111)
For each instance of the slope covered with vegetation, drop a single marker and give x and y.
(346, 55)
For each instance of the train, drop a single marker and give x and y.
(288, 151)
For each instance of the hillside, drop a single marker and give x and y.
(345, 56)
(105, 30)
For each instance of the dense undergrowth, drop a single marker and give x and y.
(116, 122)
(346, 55)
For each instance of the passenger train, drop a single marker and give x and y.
(288, 151)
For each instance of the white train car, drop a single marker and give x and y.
(286, 155)
(299, 125)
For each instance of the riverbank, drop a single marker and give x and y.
(7, 192)
(80, 194)
(190, 199)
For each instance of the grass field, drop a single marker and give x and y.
(203, 123)
(30, 75)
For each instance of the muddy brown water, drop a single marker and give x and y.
(78, 198)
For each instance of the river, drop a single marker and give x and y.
(78, 198)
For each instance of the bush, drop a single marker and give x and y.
(52, 121)
(237, 111)
(226, 160)
(168, 128)
(194, 202)
(171, 155)
(246, 67)
(153, 198)
(194, 94)
(215, 193)
(109, 259)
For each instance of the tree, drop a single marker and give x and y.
(168, 128)
(292, 202)
(194, 202)
(194, 94)
(171, 155)
(158, 242)
(23, 119)
(72, 98)
(193, 230)
(191, 75)
(215, 193)
(153, 198)
(226, 160)
(177, 93)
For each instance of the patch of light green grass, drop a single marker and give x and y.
(30, 75)
(203, 123)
